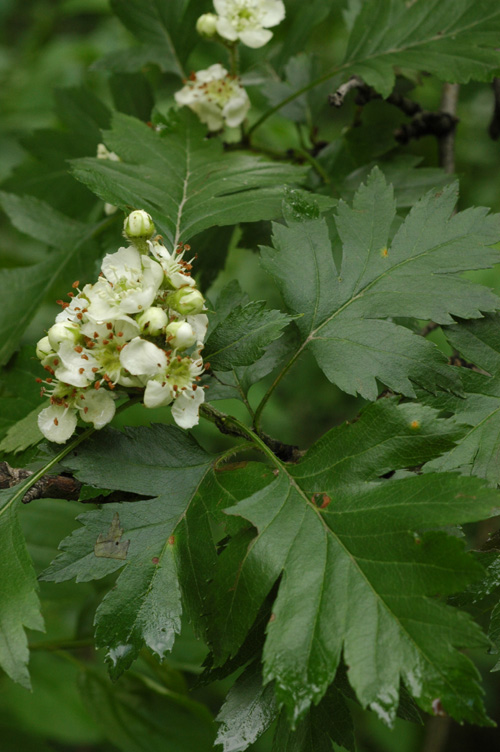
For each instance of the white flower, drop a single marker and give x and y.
(58, 421)
(63, 332)
(153, 321)
(186, 408)
(248, 20)
(74, 365)
(186, 301)
(143, 358)
(200, 326)
(206, 25)
(104, 153)
(139, 224)
(129, 285)
(216, 97)
(180, 335)
(175, 268)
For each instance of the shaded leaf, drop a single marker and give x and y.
(18, 591)
(169, 537)
(242, 337)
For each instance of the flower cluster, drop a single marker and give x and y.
(247, 21)
(138, 329)
(216, 97)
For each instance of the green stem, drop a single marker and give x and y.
(62, 645)
(293, 96)
(229, 424)
(234, 58)
(315, 165)
(265, 398)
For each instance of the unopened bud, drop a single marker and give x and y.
(43, 348)
(63, 332)
(139, 224)
(180, 335)
(104, 153)
(152, 321)
(206, 25)
(186, 301)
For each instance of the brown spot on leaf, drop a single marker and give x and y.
(109, 545)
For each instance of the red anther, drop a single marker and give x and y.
(194, 387)
(105, 342)
(205, 387)
(96, 335)
(97, 385)
(109, 325)
(95, 369)
(38, 381)
(192, 76)
(179, 358)
(77, 308)
(71, 294)
(49, 380)
(75, 284)
(111, 386)
(175, 387)
(49, 369)
(81, 370)
(120, 334)
(84, 357)
(65, 305)
(84, 310)
(90, 345)
(78, 349)
(85, 409)
(56, 422)
(187, 247)
(56, 361)
(60, 302)
(82, 396)
(79, 316)
(207, 366)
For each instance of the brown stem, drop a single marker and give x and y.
(494, 128)
(449, 101)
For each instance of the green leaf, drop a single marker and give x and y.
(329, 722)
(241, 338)
(188, 183)
(166, 27)
(135, 719)
(22, 289)
(456, 42)
(169, 538)
(23, 434)
(479, 410)
(248, 711)
(355, 566)
(20, 394)
(417, 274)
(18, 591)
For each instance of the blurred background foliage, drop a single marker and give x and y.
(47, 46)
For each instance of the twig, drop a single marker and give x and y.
(494, 129)
(449, 101)
(56, 487)
(430, 327)
(337, 98)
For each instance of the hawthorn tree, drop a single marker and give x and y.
(301, 575)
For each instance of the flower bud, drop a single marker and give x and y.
(180, 335)
(206, 25)
(43, 348)
(152, 321)
(63, 332)
(138, 224)
(186, 301)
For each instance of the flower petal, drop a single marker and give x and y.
(100, 407)
(124, 264)
(185, 410)
(158, 393)
(142, 358)
(255, 37)
(273, 12)
(57, 423)
(226, 30)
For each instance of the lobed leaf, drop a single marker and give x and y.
(347, 315)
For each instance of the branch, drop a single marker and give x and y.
(230, 426)
(56, 487)
(494, 129)
(449, 101)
